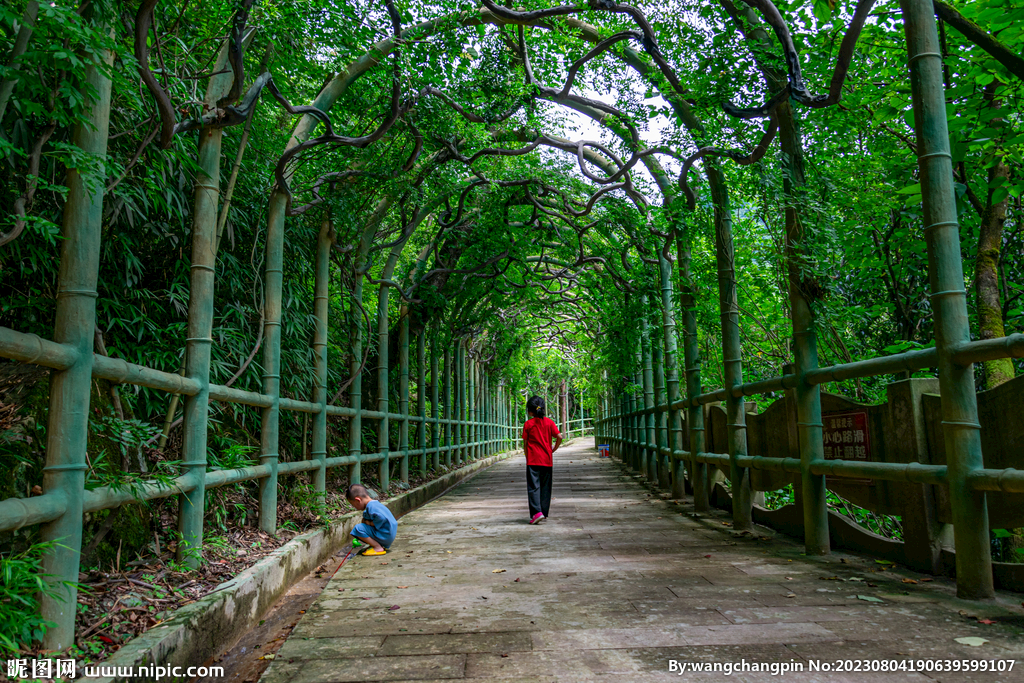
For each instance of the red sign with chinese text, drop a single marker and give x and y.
(846, 438)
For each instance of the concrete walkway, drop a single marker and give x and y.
(613, 587)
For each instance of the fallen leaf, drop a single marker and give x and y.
(504, 655)
(791, 595)
(429, 576)
(829, 578)
(883, 562)
(402, 586)
(869, 598)
(909, 581)
(448, 551)
(707, 556)
(270, 656)
(483, 597)
(367, 598)
(384, 563)
(973, 641)
(926, 580)
(517, 580)
(394, 607)
(497, 571)
(789, 578)
(855, 578)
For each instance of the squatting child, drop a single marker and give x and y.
(538, 432)
(378, 527)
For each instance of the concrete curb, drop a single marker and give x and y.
(206, 627)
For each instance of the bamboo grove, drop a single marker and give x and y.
(306, 215)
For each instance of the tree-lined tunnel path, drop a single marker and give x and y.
(614, 585)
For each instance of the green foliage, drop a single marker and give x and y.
(22, 581)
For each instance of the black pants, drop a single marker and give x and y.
(538, 488)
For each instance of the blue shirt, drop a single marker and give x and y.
(383, 521)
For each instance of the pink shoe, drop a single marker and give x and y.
(536, 518)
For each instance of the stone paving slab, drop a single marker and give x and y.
(618, 584)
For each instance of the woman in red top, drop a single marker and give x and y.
(537, 435)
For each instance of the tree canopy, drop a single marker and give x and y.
(515, 175)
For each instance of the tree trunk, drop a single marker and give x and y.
(986, 279)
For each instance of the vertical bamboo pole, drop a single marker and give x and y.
(671, 373)
(355, 389)
(421, 399)
(200, 327)
(637, 423)
(462, 453)
(435, 390)
(270, 427)
(383, 367)
(732, 355)
(961, 429)
(68, 424)
(660, 467)
(320, 305)
(485, 402)
(647, 466)
(447, 374)
(631, 422)
(805, 349)
(691, 363)
(472, 435)
(403, 394)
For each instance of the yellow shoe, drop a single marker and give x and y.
(371, 552)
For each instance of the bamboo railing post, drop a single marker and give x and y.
(460, 413)
(68, 421)
(198, 344)
(485, 400)
(732, 355)
(448, 373)
(661, 465)
(636, 421)
(383, 367)
(647, 467)
(691, 363)
(321, 296)
(435, 413)
(270, 422)
(671, 375)
(812, 495)
(472, 435)
(961, 429)
(355, 389)
(421, 399)
(403, 394)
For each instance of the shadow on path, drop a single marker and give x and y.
(614, 586)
